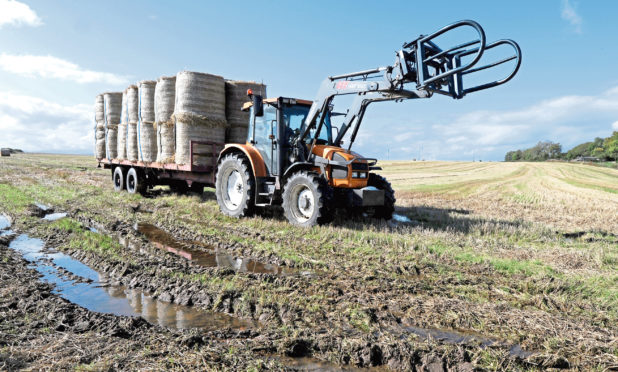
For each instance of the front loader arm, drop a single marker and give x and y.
(420, 64)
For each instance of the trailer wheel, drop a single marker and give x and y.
(385, 211)
(234, 186)
(118, 179)
(135, 182)
(308, 200)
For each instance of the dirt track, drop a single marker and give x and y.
(349, 296)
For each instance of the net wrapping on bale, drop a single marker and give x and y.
(235, 97)
(147, 139)
(113, 110)
(165, 96)
(122, 129)
(199, 115)
(100, 142)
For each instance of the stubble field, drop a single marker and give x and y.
(487, 266)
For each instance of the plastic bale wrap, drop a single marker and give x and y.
(112, 141)
(147, 138)
(165, 97)
(235, 97)
(122, 129)
(99, 109)
(199, 114)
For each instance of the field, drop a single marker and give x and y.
(487, 266)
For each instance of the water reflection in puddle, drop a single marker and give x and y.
(95, 295)
(4, 222)
(401, 218)
(208, 257)
(54, 216)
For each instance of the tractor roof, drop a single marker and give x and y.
(303, 102)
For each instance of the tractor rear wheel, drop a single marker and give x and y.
(385, 211)
(307, 200)
(118, 179)
(234, 186)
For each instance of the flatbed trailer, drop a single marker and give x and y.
(137, 176)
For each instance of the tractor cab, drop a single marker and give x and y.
(275, 125)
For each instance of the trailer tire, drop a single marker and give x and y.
(118, 179)
(385, 211)
(234, 186)
(308, 200)
(136, 182)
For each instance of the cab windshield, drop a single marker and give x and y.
(294, 120)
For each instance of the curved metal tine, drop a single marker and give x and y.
(452, 50)
(478, 50)
(517, 57)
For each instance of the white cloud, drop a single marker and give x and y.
(488, 135)
(35, 124)
(570, 15)
(16, 13)
(52, 67)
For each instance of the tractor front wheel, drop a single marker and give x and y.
(307, 200)
(385, 211)
(234, 186)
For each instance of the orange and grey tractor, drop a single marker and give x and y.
(294, 155)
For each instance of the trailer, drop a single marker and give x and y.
(138, 176)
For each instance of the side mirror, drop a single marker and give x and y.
(258, 105)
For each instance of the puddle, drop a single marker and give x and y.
(401, 218)
(5, 223)
(96, 295)
(54, 216)
(43, 207)
(208, 257)
(313, 364)
(94, 230)
(455, 338)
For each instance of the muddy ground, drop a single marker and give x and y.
(359, 294)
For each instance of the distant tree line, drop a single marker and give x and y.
(601, 148)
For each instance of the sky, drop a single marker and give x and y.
(56, 56)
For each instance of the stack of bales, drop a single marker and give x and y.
(235, 97)
(113, 109)
(99, 129)
(122, 128)
(133, 117)
(164, 101)
(199, 114)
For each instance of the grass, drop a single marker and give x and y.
(488, 249)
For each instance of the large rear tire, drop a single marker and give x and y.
(234, 186)
(118, 179)
(385, 211)
(307, 200)
(136, 183)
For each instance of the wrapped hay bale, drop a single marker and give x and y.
(165, 96)
(132, 151)
(99, 119)
(133, 118)
(122, 129)
(199, 115)
(113, 109)
(100, 142)
(147, 138)
(99, 109)
(235, 97)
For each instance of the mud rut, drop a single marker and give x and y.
(119, 342)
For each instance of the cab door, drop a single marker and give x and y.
(265, 138)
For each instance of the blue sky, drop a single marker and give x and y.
(55, 56)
